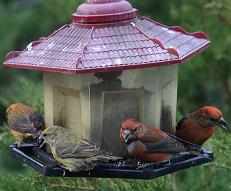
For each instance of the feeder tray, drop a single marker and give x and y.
(44, 163)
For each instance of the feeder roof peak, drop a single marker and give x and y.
(104, 11)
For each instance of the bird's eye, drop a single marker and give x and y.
(134, 130)
(212, 119)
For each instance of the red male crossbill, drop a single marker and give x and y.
(198, 127)
(73, 153)
(25, 122)
(150, 144)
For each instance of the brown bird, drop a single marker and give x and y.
(26, 123)
(198, 127)
(73, 153)
(150, 144)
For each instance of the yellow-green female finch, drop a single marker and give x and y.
(72, 153)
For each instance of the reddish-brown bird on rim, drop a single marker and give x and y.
(25, 122)
(198, 127)
(150, 144)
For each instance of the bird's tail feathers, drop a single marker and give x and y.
(199, 154)
(196, 150)
(191, 148)
(187, 143)
(101, 153)
(107, 158)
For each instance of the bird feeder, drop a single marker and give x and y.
(107, 66)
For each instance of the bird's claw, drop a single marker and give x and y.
(127, 162)
(18, 144)
(120, 164)
(169, 162)
(138, 163)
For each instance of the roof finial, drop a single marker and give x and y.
(101, 1)
(104, 11)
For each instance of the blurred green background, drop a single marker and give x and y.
(205, 80)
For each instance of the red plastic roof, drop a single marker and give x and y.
(83, 47)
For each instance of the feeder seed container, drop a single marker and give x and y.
(107, 66)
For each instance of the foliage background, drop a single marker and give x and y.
(205, 80)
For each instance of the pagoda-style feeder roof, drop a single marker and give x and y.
(107, 35)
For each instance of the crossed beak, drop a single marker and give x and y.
(127, 135)
(223, 124)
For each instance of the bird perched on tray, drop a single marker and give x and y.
(198, 127)
(26, 123)
(150, 144)
(73, 153)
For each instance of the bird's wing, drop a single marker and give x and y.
(180, 123)
(21, 124)
(152, 134)
(189, 145)
(165, 145)
(37, 120)
(79, 149)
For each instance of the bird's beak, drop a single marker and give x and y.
(127, 135)
(223, 124)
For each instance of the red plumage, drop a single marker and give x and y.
(25, 122)
(150, 144)
(198, 127)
